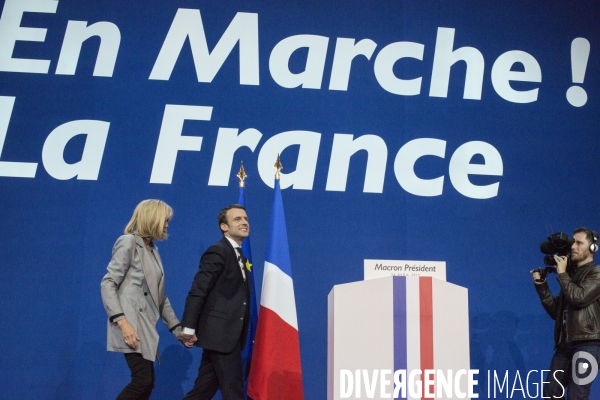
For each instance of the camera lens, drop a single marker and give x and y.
(549, 261)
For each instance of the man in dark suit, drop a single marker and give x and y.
(216, 310)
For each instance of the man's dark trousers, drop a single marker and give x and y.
(562, 361)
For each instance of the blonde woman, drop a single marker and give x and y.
(133, 293)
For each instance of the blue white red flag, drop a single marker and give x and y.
(276, 371)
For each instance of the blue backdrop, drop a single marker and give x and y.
(471, 154)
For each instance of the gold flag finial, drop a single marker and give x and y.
(278, 167)
(242, 175)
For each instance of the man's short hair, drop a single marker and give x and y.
(222, 218)
(590, 235)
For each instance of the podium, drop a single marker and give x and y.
(391, 324)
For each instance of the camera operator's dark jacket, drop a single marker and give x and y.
(581, 293)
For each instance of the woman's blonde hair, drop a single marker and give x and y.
(148, 219)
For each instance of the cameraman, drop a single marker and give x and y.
(576, 311)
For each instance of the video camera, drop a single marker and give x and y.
(557, 244)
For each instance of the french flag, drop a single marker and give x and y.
(276, 372)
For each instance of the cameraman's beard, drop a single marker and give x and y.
(578, 257)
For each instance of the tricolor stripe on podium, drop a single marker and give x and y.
(423, 332)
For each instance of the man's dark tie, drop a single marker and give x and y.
(241, 258)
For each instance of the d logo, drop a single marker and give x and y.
(583, 367)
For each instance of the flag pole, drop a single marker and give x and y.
(278, 167)
(242, 175)
(248, 350)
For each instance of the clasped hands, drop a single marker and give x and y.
(131, 337)
(187, 340)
